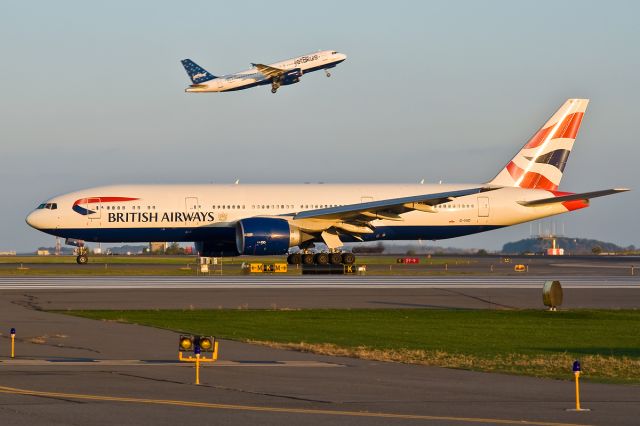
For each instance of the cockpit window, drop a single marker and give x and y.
(334, 53)
(50, 206)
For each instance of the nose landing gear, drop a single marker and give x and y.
(82, 258)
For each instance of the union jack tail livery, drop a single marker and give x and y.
(540, 163)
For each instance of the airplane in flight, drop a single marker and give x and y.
(232, 220)
(278, 74)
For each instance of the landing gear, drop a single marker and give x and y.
(335, 258)
(327, 73)
(307, 259)
(82, 258)
(275, 84)
(332, 258)
(348, 258)
(321, 259)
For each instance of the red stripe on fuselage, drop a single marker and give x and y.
(93, 200)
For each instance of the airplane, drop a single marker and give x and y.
(235, 219)
(278, 74)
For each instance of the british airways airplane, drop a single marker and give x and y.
(232, 220)
(278, 74)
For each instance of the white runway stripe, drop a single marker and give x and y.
(307, 282)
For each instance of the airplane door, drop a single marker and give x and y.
(94, 208)
(483, 206)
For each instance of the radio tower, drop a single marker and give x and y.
(58, 246)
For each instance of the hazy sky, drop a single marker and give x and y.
(92, 93)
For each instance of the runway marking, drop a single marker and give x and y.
(28, 392)
(310, 282)
(137, 362)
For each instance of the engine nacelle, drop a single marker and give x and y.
(216, 248)
(291, 77)
(265, 236)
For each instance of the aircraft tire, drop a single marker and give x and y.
(294, 259)
(274, 90)
(83, 259)
(321, 259)
(348, 258)
(335, 258)
(307, 259)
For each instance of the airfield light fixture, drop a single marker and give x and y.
(576, 366)
(206, 343)
(185, 343)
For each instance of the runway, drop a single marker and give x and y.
(72, 370)
(313, 282)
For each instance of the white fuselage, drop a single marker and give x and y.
(252, 77)
(136, 213)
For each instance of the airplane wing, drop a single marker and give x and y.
(268, 71)
(389, 209)
(572, 197)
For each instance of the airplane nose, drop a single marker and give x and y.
(34, 219)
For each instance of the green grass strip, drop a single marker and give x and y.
(529, 342)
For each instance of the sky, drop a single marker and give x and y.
(92, 93)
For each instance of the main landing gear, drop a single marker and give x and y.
(322, 258)
(327, 73)
(274, 86)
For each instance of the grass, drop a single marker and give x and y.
(177, 265)
(535, 343)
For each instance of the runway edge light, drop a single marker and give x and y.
(577, 368)
(12, 332)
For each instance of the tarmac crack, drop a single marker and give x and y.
(478, 298)
(226, 388)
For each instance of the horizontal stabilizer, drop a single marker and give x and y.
(572, 197)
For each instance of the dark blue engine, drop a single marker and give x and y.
(291, 77)
(217, 248)
(264, 236)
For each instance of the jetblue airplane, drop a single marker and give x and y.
(232, 220)
(278, 74)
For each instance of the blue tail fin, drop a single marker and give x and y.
(196, 73)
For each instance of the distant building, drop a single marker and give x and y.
(158, 247)
(43, 252)
(8, 253)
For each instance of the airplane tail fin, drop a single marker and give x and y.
(540, 163)
(196, 73)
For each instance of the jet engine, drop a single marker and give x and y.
(217, 248)
(265, 236)
(291, 77)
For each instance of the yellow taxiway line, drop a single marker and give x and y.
(28, 392)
